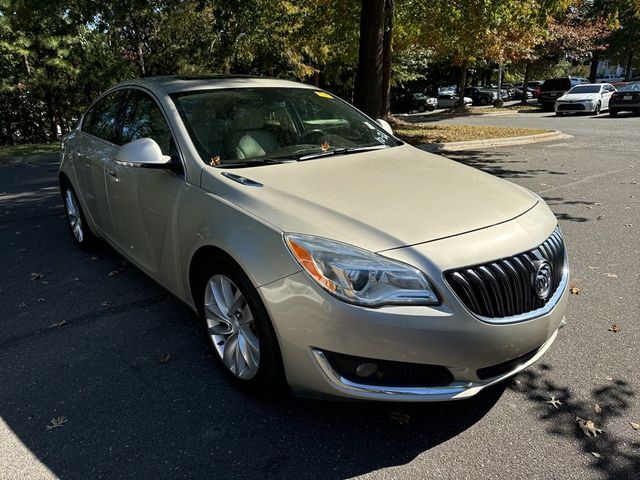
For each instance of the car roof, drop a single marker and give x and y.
(185, 83)
(592, 84)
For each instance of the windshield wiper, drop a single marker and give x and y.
(340, 151)
(258, 163)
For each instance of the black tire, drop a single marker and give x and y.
(484, 101)
(422, 108)
(596, 112)
(613, 113)
(559, 114)
(498, 103)
(87, 241)
(269, 379)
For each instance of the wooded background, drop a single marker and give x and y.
(57, 55)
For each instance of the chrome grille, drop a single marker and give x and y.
(506, 287)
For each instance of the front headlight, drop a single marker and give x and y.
(358, 276)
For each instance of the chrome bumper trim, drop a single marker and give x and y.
(453, 391)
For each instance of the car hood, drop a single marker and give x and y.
(376, 200)
(579, 97)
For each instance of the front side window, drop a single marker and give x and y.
(142, 118)
(102, 119)
(244, 124)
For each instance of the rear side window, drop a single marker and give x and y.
(102, 119)
(556, 84)
(142, 118)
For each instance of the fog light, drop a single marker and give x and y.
(365, 370)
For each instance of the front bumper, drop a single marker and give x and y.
(575, 107)
(308, 322)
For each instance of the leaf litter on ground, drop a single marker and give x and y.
(57, 422)
(588, 427)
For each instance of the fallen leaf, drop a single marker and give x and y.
(598, 203)
(36, 276)
(41, 300)
(608, 378)
(215, 161)
(554, 402)
(113, 273)
(106, 303)
(399, 416)
(44, 282)
(588, 427)
(600, 217)
(614, 328)
(57, 422)
(593, 268)
(164, 358)
(58, 324)
(93, 259)
(634, 425)
(575, 290)
(597, 408)
(76, 279)
(23, 305)
(611, 275)
(596, 454)
(628, 224)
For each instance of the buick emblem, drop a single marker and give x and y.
(542, 281)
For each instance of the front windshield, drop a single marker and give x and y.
(243, 125)
(630, 87)
(585, 89)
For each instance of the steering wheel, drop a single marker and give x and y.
(310, 135)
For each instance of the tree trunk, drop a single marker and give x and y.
(51, 115)
(627, 73)
(143, 68)
(386, 57)
(593, 71)
(462, 83)
(525, 82)
(368, 86)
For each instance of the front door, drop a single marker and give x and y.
(144, 201)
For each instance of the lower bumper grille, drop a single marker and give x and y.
(571, 106)
(505, 367)
(515, 285)
(387, 373)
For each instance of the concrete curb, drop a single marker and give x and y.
(25, 159)
(494, 142)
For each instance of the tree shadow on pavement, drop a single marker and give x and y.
(614, 457)
(498, 163)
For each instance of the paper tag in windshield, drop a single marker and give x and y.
(323, 94)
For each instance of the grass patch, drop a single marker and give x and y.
(29, 149)
(420, 133)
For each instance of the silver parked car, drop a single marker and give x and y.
(314, 245)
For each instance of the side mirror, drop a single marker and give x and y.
(144, 152)
(385, 126)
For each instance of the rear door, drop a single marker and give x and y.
(93, 148)
(144, 201)
(607, 91)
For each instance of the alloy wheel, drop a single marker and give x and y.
(73, 215)
(232, 327)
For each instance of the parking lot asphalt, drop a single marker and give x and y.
(81, 335)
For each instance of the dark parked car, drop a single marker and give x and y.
(411, 102)
(480, 96)
(553, 88)
(626, 99)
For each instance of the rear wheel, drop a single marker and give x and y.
(82, 236)
(421, 108)
(484, 101)
(559, 114)
(613, 113)
(238, 327)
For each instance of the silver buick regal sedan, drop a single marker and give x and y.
(314, 245)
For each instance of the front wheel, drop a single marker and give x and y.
(598, 108)
(421, 108)
(82, 236)
(238, 327)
